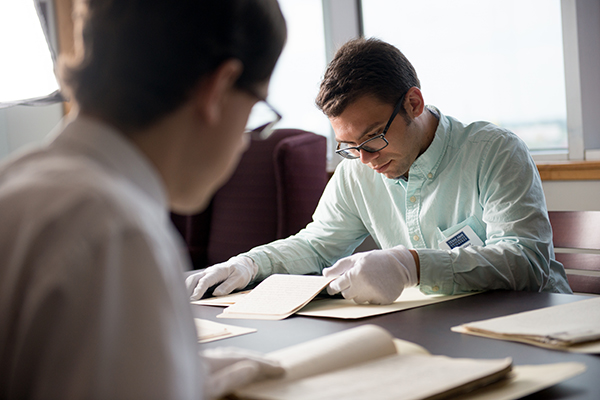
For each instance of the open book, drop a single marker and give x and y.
(573, 327)
(367, 362)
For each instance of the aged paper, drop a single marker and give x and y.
(573, 327)
(277, 297)
(209, 331)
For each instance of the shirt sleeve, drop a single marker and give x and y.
(518, 252)
(335, 232)
(102, 317)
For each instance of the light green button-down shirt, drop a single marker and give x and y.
(477, 175)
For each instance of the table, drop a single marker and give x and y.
(429, 326)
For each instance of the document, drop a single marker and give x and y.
(367, 362)
(280, 296)
(348, 309)
(209, 331)
(573, 327)
(277, 297)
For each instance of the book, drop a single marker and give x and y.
(280, 296)
(573, 327)
(367, 362)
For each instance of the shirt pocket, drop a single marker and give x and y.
(473, 222)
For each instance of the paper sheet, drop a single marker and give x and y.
(348, 309)
(573, 327)
(209, 331)
(277, 297)
(221, 301)
(525, 380)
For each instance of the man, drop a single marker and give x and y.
(92, 301)
(455, 208)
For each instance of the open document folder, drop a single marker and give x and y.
(280, 296)
(573, 327)
(367, 362)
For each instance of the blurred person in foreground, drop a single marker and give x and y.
(92, 299)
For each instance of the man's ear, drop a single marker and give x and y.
(211, 94)
(414, 104)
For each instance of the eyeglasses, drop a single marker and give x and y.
(373, 145)
(263, 117)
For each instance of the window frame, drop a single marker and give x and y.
(581, 33)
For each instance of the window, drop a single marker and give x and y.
(295, 82)
(494, 60)
(30, 74)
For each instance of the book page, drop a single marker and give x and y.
(338, 350)
(411, 376)
(277, 297)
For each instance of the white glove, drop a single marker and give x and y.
(235, 273)
(376, 277)
(229, 369)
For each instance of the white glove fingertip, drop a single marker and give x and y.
(331, 290)
(224, 289)
(201, 288)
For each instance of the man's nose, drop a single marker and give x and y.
(366, 157)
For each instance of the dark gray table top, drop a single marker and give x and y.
(429, 326)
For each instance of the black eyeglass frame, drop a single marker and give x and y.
(346, 151)
(264, 131)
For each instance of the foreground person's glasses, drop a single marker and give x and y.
(263, 117)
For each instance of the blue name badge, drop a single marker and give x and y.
(463, 238)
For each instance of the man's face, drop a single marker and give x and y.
(366, 118)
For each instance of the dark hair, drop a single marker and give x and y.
(142, 58)
(364, 67)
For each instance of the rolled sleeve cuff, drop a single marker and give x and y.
(437, 274)
(263, 262)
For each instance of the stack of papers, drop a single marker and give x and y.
(573, 327)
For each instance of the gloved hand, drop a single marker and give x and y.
(376, 277)
(228, 369)
(235, 273)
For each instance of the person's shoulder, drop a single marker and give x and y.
(53, 186)
(485, 134)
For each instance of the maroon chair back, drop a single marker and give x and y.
(576, 237)
(271, 195)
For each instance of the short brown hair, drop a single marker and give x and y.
(364, 67)
(142, 58)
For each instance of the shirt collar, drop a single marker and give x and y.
(115, 152)
(427, 163)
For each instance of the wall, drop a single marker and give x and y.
(572, 195)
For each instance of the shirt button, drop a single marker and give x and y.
(430, 175)
(416, 237)
(435, 288)
(413, 199)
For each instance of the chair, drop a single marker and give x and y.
(271, 195)
(576, 237)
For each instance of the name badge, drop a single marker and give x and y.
(464, 238)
